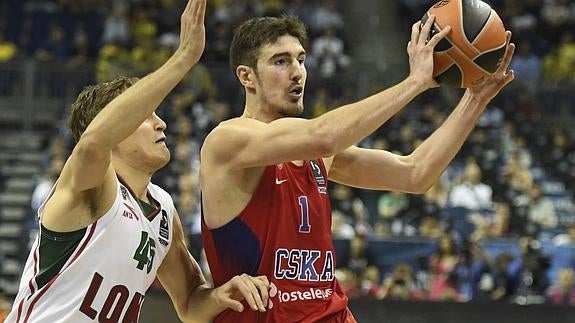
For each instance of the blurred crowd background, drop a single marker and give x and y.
(499, 225)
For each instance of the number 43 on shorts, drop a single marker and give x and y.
(145, 252)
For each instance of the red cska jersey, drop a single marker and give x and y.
(284, 233)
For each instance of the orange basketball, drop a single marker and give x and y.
(473, 48)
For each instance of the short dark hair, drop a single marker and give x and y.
(92, 100)
(250, 36)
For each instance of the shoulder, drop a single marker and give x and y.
(229, 136)
(234, 126)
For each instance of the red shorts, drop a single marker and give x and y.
(344, 316)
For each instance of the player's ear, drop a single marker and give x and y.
(246, 75)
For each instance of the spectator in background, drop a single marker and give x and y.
(429, 227)
(345, 200)
(500, 285)
(389, 206)
(358, 254)
(563, 293)
(541, 211)
(556, 14)
(532, 274)
(55, 48)
(45, 184)
(80, 51)
(442, 264)
(519, 182)
(370, 282)
(437, 195)
(4, 307)
(8, 52)
(527, 66)
(400, 285)
(348, 282)
(522, 22)
(559, 64)
(8, 49)
(471, 193)
(300, 9)
(567, 238)
(326, 17)
(327, 51)
(496, 225)
(116, 25)
(340, 228)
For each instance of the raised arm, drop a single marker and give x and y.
(90, 159)
(249, 143)
(193, 300)
(416, 172)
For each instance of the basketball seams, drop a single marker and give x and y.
(462, 29)
(468, 60)
(439, 29)
(485, 28)
(477, 52)
(447, 66)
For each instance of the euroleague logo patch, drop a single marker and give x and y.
(164, 229)
(318, 176)
(441, 3)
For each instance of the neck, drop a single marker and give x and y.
(254, 109)
(136, 179)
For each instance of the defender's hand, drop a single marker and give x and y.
(193, 30)
(253, 289)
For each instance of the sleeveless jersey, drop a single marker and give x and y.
(284, 232)
(107, 274)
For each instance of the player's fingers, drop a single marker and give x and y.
(201, 10)
(425, 30)
(232, 304)
(415, 33)
(188, 8)
(262, 284)
(509, 77)
(273, 290)
(439, 36)
(258, 287)
(251, 293)
(506, 61)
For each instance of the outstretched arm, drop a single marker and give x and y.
(251, 143)
(193, 300)
(90, 159)
(418, 171)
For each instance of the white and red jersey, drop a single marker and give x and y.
(105, 274)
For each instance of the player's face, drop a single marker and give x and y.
(281, 76)
(146, 147)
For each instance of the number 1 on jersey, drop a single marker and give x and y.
(304, 227)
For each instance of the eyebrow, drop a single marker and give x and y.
(283, 54)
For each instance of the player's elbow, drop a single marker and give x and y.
(421, 188)
(418, 182)
(91, 147)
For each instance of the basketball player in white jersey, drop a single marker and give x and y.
(106, 231)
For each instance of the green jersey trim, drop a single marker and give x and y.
(56, 248)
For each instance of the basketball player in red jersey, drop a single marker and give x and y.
(106, 231)
(264, 175)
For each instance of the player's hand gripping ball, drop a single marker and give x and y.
(474, 47)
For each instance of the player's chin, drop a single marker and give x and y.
(163, 158)
(296, 107)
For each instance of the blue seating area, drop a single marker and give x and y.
(415, 251)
